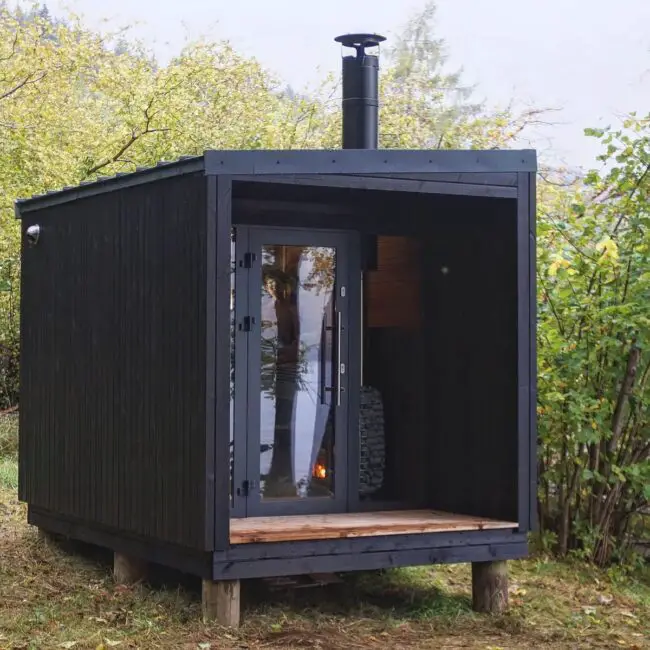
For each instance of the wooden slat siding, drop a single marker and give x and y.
(472, 353)
(374, 544)
(393, 290)
(366, 561)
(211, 360)
(26, 443)
(220, 195)
(389, 213)
(523, 350)
(394, 364)
(503, 179)
(532, 259)
(388, 183)
(113, 371)
(188, 560)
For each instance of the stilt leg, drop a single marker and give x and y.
(221, 602)
(127, 570)
(489, 587)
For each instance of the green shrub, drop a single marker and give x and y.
(594, 351)
(9, 436)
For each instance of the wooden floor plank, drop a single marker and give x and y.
(397, 522)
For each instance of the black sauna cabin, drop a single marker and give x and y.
(264, 363)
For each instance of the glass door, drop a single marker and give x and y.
(297, 362)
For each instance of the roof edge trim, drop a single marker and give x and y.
(110, 184)
(368, 161)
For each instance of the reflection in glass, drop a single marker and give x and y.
(297, 335)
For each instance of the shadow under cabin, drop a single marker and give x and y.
(251, 364)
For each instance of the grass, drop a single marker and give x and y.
(8, 452)
(8, 473)
(53, 595)
(9, 436)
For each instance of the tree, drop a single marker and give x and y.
(75, 105)
(420, 99)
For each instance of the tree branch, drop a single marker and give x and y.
(13, 49)
(552, 305)
(631, 196)
(624, 396)
(130, 142)
(25, 82)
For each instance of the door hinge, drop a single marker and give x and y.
(247, 262)
(247, 324)
(246, 488)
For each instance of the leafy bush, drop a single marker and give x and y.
(8, 436)
(9, 348)
(594, 349)
(9, 451)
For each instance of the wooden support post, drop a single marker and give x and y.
(127, 570)
(221, 602)
(489, 587)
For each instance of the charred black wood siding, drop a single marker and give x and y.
(113, 404)
(471, 305)
(532, 368)
(394, 365)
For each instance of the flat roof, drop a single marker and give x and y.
(262, 162)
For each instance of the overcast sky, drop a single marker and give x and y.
(591, 58)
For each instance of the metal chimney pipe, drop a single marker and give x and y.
(360, 92)
(361, 131)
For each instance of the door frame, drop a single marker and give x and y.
(248, 278)
(239, 402)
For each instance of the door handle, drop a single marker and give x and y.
(340, 368)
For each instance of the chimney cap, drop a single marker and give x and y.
(360, 41)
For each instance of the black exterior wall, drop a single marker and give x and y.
(113, 408)
(125, 308)
(364, 554)
(471, 305)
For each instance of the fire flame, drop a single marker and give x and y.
(320, 471)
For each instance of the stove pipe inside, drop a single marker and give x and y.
(360, 91)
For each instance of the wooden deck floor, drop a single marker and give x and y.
(368, 524)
